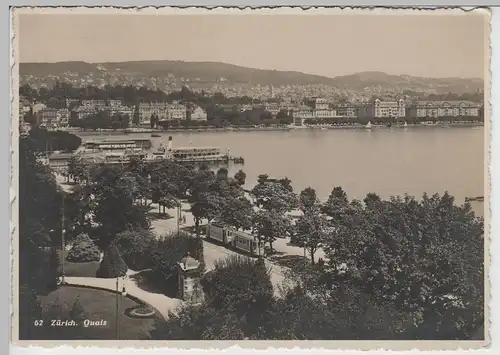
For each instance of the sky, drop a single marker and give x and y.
(329, 45)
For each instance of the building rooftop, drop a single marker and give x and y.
(188, 263)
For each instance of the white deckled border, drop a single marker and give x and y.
(241, 346)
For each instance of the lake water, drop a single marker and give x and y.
(388, 161)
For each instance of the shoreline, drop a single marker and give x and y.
(257, 129)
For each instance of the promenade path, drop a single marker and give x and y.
(158, 300)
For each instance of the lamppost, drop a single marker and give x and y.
(119, 295)
(179, 204)
(117, 307)
(63, 247)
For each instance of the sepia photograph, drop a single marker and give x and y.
(251, 175)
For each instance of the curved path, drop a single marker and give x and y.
(159, 301)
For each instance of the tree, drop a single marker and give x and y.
(274, 195)
(337, 206)
(308, 200)
(248, 297)
(423, 258)
(43, 141)
(298, 316)
(238, 212)
(270, 225)
(311, 232)
(222, 174)
(39, 223)
(136, 247)
(115, 209)
(136, 120)
(84, 250)
(240, 177)
(77, 169)
(112, 264)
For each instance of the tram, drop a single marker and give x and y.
(231, 237)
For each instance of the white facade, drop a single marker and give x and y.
(321, 104)
(93, 103)
(163, 110)
(444, 109)
(387, 109)
(115, 103)
(198, 114)
(53, 118)
(85, 111)
(177, 112)
(345, 110)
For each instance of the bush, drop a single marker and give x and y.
(112, 265)
(84, 250)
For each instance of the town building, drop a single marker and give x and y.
(115, 103)
(70, 103)
(38, 107)
(272, 107)
(163, 110)
(83, 112)
(148, 109)
(198, 114)
(382, 109)
(420, 109)
(177, 112)
(303, 112)
(93, 103)
(52, 118)
(345, 109)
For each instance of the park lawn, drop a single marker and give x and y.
(98, 305)
(78, 269)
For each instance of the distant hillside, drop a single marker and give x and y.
(212, 71)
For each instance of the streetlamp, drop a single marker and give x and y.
(178, 216)
(117, 307)
(63, 231)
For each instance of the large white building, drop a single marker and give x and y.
(177, 112)
(346, 109)
(198, 114)
(435, 109)
(84, 112)
(163, 110)
(53, 118)
(383, 109)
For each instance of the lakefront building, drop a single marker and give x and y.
(383, 109)
(345, 109)
(198, 114)
(434, 109)
(163, 110)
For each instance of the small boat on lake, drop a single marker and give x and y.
(368, 125)
(156, 135)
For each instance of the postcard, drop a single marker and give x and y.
(195, 178)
